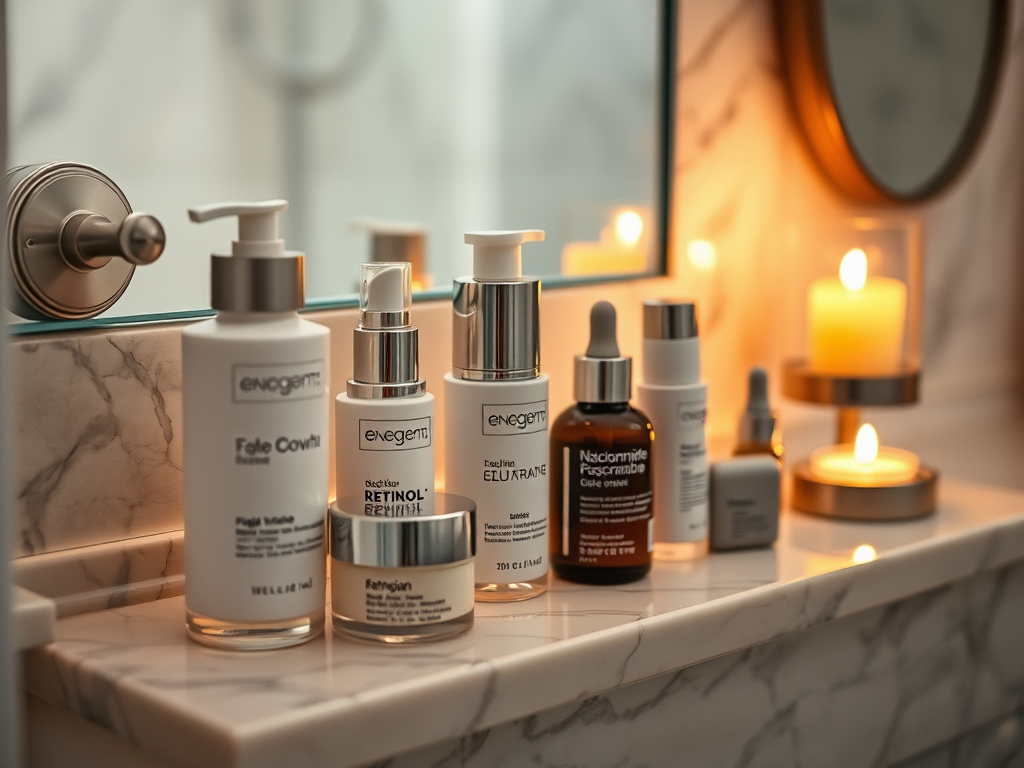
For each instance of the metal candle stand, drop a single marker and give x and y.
(903, 501)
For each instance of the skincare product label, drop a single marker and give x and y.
(680, 460)
(256, 460)
(385, 453)
(399, 597)
(496, 453)
(275, 383)
(606, 505)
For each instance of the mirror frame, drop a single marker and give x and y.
(664, 121)
(801, 33)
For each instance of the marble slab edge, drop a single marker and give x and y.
(480, 695)
(104, 576)
(34, 619)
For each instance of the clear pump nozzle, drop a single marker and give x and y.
(385, 294)
(257, 225)
(498, 256)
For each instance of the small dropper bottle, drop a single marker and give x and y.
(601, 480)
(758, 433)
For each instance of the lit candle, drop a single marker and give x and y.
(864, 463)
(622, 248)
(856, 322)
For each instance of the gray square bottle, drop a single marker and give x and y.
(744, 502)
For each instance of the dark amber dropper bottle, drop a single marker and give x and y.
(601, 491)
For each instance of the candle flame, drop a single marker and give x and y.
(702, 255)
(865, 553)
(853, 269)
(629, 226)
(865, 449)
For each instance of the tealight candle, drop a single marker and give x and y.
(855, 322)
(864, 463)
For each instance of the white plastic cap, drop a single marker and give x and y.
(498, 256)
(257, 226)
(385, 286)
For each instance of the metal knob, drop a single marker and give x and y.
(72, 241)
(89, 240)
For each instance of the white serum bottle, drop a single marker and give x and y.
(496, 417)
(675, 400)
(384, 421)
(256, 419)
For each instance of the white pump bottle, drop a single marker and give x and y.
(496, 416)
(255, 381)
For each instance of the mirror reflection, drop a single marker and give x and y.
(431, 118)
(907, 76)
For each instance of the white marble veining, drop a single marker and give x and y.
(861, 691)
(133, 672)
(98, 436)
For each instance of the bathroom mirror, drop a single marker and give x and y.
(450, 115)
(892, 94)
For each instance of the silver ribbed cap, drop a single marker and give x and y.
(670, 319)
(602, 375)
(406, 534)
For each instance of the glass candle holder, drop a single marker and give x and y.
(402, 573)
(852, 298)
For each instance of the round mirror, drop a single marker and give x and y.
(892, 94)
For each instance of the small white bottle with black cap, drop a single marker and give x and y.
(384, 421)
(256, 410)
(496, 416)
(601, 469)
(675, 398)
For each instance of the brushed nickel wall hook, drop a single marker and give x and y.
(73, 241)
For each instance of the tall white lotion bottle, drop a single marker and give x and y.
(256, 418)
(675, 400)
(385, 420)
(496, 416)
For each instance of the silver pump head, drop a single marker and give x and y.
(757, 424)
(496, 322)
(670, 319)
(259, 275)
(385, 346)
(602, 375)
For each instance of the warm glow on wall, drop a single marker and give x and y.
(702, 255)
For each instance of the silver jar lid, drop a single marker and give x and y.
(405, 534)
(670, 319)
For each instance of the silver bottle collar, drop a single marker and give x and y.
(496, 329)
(670, 319)
(254, 284)
(603, 379)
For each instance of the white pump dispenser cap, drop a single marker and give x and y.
(257, 226)
(498, 256)
(258, 275)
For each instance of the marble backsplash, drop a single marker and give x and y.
(99, 413)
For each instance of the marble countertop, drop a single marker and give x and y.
(34, 619)
(133, 672)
